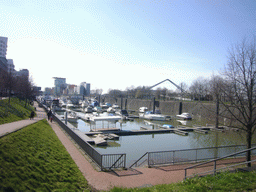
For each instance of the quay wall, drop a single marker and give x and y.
(197, 109)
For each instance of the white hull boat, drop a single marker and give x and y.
(143, 109)
(155, 117)
(185, 116)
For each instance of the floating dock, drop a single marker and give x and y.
(180, 132)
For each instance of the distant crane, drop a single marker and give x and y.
(180, 88)
(170, 82)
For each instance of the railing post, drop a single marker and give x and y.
(101, 167)
(196, 155)
(215, 165)
(185, 173)
(148, 160)
(125, 161)
(173, 157)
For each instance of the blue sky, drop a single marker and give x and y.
(115, 44)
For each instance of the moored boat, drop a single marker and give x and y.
(185, 116)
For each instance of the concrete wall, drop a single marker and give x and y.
(198, 109)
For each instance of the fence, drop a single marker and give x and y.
(214, 170)
(104, 161)
(187, 155)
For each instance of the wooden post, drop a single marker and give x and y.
(154, 99)
(180, 108)
(125, 104)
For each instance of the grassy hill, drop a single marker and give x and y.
(33, 159)
(14, 111)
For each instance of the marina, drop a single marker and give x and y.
(110, 134)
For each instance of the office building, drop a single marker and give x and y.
(3, 46)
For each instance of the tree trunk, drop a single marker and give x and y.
(217, 113)
(9, 96)
(26, 103)
(249, 144)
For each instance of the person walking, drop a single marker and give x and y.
(32, 114)
(49, 114)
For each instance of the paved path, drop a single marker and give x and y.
(139, 177)
(14, 126)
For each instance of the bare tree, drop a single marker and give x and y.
(9, 81)
(24, 88)
(200, 88)
(240, 73)
(216, 86)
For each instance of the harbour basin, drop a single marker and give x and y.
(134, 146)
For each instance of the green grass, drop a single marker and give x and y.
(33, 159)
(225, 181)
(14, 111)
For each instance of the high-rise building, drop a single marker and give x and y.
(60, 85)
(83, 89)
(3, 50)
(22, 72)
(3, 46)
(88, 89)
(10, 66)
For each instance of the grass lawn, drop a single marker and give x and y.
(225, 181)
(33, 159)
(14, 111)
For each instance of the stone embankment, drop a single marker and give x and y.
(198, 109)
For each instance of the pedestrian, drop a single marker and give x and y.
(32, 114)
(49, 114)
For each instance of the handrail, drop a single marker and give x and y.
(121, 155)
(185, 150)
(138, 160)
(214, 160)
(226, 167)
(221, 158)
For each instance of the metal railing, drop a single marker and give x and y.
(109, 161)
(187, 155)
(214, 170)
(104, 161)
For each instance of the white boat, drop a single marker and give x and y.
(185, 116)
(56, 105)
(122, 113)
(168, 126)
(69, 104)
(88, 109)
(104, 123)
(115, 106)
(155, 117)
(98, 109)
(143, 109)
(72, 116)
(111, 110)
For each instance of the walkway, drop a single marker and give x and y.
(15, 126)
(139, 177)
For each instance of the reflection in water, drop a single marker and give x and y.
(137, 145)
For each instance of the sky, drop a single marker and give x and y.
(119, 44)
